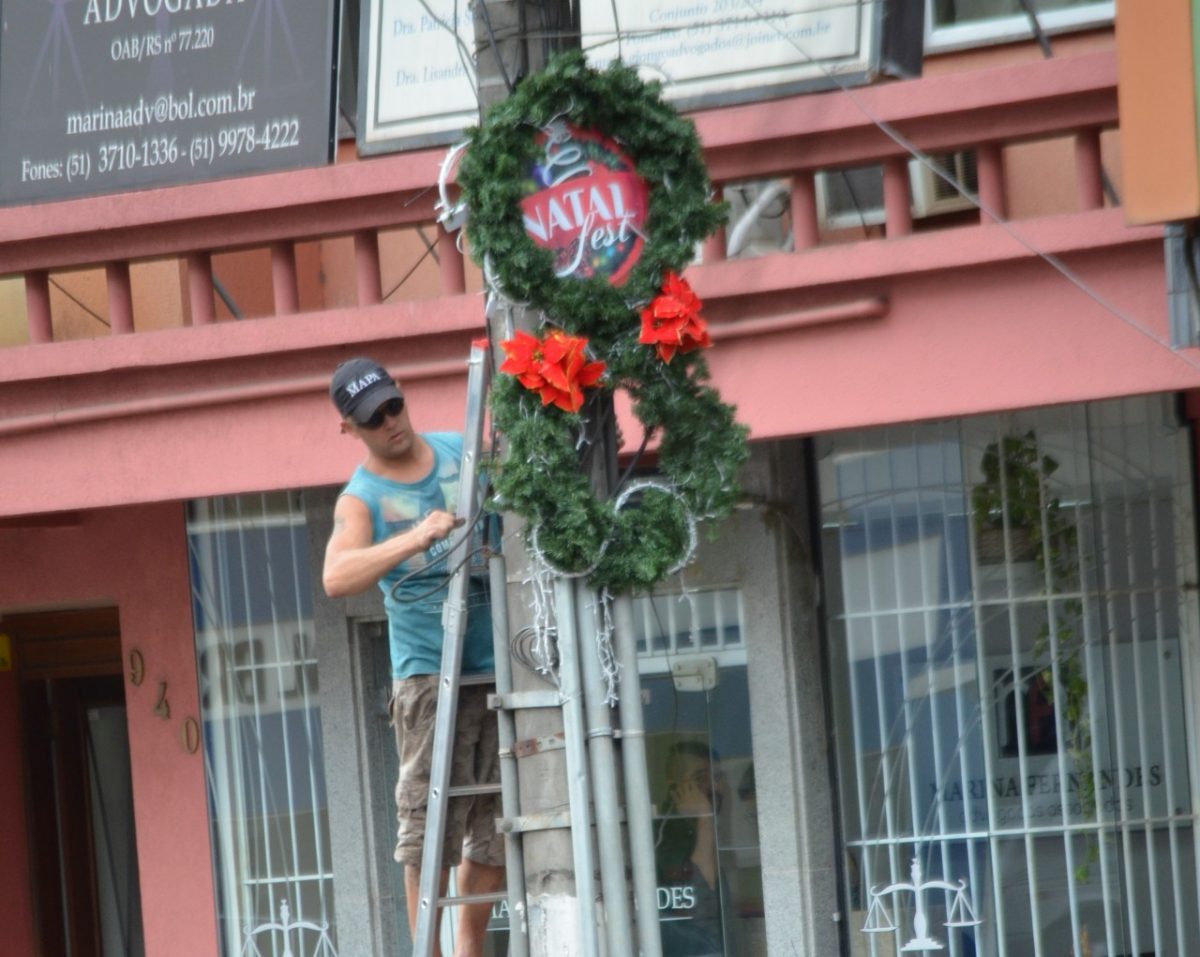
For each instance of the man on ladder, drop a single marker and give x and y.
(392, 525)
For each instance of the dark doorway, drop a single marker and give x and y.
(78, 787)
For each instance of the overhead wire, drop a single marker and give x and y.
(487, 25)
(79, 302)
(1035, 24)
(464, 53)
(430, 250)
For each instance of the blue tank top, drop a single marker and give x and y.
(414, 608)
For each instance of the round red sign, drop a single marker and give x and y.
(589, 205)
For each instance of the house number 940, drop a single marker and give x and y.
(189, 733)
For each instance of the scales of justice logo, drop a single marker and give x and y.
(588, 205)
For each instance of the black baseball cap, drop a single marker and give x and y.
(360, 386)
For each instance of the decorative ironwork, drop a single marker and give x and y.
(285, 926)
(879, 921)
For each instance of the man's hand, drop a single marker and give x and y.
(437, 525)
(353, 563)
(692, 796)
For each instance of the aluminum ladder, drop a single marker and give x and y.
(454, 620)
(583, 724)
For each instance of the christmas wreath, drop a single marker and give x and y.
(616, 315)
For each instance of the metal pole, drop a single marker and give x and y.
(638, 810)
(510, 801)
(578, 784)
(618, 922)
(560, 884)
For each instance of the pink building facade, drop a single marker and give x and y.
(158, 455)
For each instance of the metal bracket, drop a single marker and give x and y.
(694, 674)
(531, 746)
(520, 700)
(546, 821)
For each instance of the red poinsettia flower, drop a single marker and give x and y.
(672, 322)
(555, 367)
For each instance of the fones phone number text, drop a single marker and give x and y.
(121, 156)
(251, 138)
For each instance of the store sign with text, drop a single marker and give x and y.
(416, 73)
(676, 899)
(1129, 771)
(731, 50)
(588, 205)
(98, 96)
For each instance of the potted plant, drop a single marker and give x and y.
(1014, 492)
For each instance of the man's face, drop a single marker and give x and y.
(698, 786)
(392, 439)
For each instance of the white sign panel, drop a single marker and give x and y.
(1143, 774)
(734, 49)
(417, 86)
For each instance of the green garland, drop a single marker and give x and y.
(702, 446)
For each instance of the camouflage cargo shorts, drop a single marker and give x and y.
(471, 821)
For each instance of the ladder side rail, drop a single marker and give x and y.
(454, 619)
(638, 808)
(510, 801)
(578, 779)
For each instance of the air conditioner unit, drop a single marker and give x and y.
(852, 198)
(932, 194)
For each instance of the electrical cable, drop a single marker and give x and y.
(487, 25)
(629, 469)
(91, 312)
(444, 579)
(616, 29)
(429, 248)
(524, 650)
(464, 54)
(1035, 24)
(523, 47)
(226, 298)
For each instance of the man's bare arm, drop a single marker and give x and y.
(353, 563)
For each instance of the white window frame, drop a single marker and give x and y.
(1016, 27)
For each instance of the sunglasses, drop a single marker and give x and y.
(389, 409)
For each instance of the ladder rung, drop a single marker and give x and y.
(489, 898)
(520, 700)
(470, 790)
(480, 679)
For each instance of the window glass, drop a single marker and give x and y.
(1011, 632)
(261, 725)
(952, 12)
(696, 698)
(14, 326)
(963, 23)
